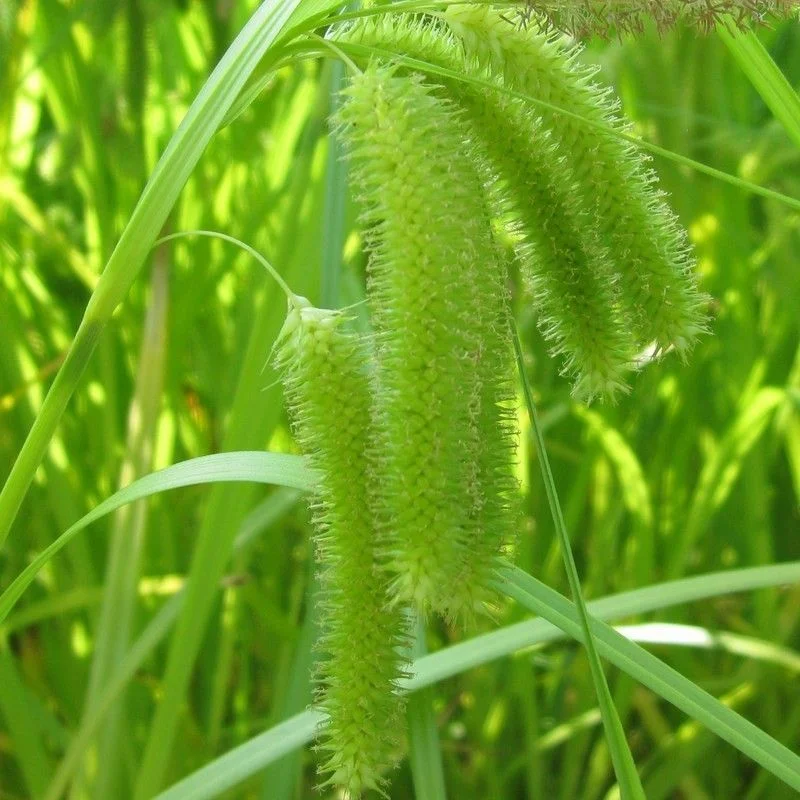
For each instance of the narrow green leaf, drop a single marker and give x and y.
(635, 491)
(496, 644)
(694, 636)
(173, 169)
(240, 763)
(276, 468)
(657, 676)
(155, 632)
(219, 775)
(281, 779)
(722, 469)
(129, 526)
(264, 515)
(27, 742)
(770, 83)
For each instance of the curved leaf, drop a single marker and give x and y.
(245, 760)
(657, 676)
(280, 469)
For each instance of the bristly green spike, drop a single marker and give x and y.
(568, 265)
(327, 388)
(438, 305)
(656, 270)
(493, 517)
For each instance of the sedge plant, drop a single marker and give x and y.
(410, 429)
(438, 443)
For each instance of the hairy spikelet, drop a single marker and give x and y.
(493, 519)
(582, 18)
(568, 264)
(439, 309)
(327, 391)
(656, 284)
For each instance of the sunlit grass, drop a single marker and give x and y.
(111, 688)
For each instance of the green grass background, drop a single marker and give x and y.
(696, 471)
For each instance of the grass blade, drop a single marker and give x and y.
(281, 779)
(240, 763)
(657, 676)
(695, 636)
(247, 759)
(274, 507)
(21, 727)
(334, 229)
(424, 749)
(173, 169)
(130, 523)
(499, 643)
(770, 83)
(722, 469)
(93, 717)
(275, 468)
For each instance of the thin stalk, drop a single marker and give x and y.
(290, 295)
(130, 523)
(281, 779)
(424, 750)
(624, 765)
(333, 222)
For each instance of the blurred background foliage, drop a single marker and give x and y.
(698, 469)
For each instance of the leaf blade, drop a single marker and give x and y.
(275, 468)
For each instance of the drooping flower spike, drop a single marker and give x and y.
(414, 443)
(567, 265)
(327, 390)
(609, 267)
(439, 309)
(656, 285)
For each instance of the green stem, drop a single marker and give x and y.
(333, 223)
(624, 766)
(424, 749)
